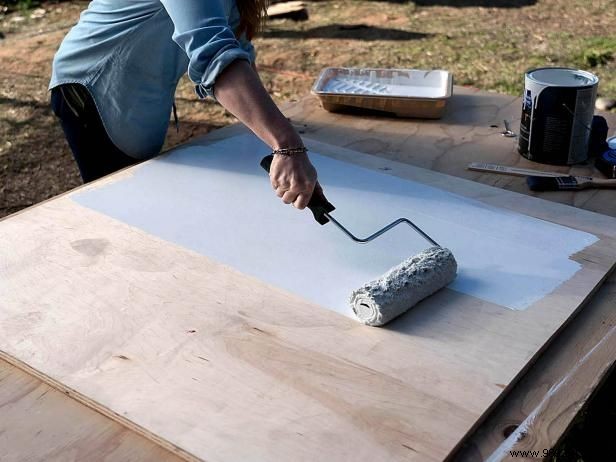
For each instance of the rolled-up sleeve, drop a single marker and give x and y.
(202, 29)
(248, 47)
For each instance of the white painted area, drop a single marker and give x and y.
(217, 201)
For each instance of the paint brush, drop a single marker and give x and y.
(567, 183)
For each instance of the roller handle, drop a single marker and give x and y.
(318, 204)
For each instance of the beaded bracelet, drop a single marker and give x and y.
(290, 151)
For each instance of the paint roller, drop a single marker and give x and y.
(378, 302)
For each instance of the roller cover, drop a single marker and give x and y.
(379, 301)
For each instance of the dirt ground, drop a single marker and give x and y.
(486, 44)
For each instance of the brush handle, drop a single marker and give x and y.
(599, 183)
(567, 183)
(318, 204)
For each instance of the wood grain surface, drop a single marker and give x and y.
(40, 423)
(545, 420)
(216, 365)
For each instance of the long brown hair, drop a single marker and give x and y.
(252, 16)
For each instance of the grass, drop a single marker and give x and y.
(597, 52)
(20, 5)
(486, 47)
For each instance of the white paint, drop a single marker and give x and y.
(563, 77)
(385, 82)
(363, 87)
(217, 201)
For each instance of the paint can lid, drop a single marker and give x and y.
(606, 163)
(562, 77)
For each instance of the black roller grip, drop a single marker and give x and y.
(318, 204)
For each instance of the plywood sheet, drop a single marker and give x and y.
(221, 365)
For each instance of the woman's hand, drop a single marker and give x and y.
(240, 91)
(293, 178)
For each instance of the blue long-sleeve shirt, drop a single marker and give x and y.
(130, 55)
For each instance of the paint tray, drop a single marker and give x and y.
(405, 92)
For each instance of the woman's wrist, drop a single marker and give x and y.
(288, 140)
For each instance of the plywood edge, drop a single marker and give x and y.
(580, 337)
(543, 427)
(94, 405)
(541, 408)
(543, 348)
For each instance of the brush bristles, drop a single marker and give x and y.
(559, 183)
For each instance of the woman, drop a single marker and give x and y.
(115, 75)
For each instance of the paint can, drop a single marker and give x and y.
(557, 111)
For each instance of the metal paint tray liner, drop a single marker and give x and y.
(405, 92)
